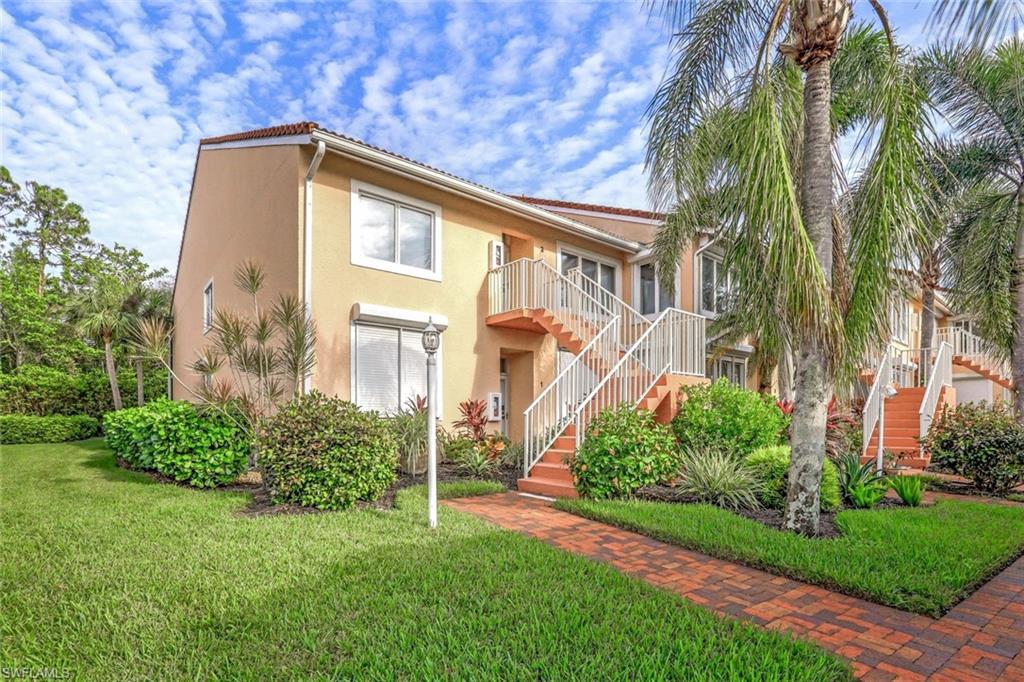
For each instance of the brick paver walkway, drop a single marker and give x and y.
(982, 638)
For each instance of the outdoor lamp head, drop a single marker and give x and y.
(431, 337)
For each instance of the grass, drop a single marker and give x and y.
(111, 575)
(923, 560)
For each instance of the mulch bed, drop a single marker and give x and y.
(261, 505)
(773, 518)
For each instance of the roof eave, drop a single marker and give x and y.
(449, 183)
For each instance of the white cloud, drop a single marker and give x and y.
(269, 24)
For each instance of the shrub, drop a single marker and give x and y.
(45, 391)
(457, 448)
(411, 433)
(771, 466)
(23, 428)
(624, 449)
(852, 474)
(718, 478)
(724, 417)
(171, 437)
(324, 452)
(980, 442)
(909, 488)
(476, 462)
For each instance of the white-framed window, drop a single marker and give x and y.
(601, 270)
(899, 321)
(732, 368)
(651, 296)
(208, 306)
(395, 232)
(715, 285)
(389, 367)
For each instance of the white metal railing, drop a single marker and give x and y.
(674, 343)
(633, 325)
(941, 375)
(974, 348)
(552, 411)
(910, 367)
(874, 403)
(527, 284)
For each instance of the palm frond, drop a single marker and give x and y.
(984, 20)
(249, 277)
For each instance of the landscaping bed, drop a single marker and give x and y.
(923, 559)
(111, 576)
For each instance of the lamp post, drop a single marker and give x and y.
(431, 342)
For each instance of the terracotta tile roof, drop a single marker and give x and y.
(596, 208)
(307, 127)
(300, 128)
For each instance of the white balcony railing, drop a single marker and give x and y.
(974, 348)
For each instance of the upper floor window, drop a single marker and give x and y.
(715, 285)
(395, 232)
(601, 272)
(653, 297)
(899, 321)
(208, 306)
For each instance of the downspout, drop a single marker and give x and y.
(307, 242)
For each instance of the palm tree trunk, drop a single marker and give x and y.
(108, 353)
(140, 391)
(813, 386)
(929, 272)
(1017, 355)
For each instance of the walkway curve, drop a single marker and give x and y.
(982, 638)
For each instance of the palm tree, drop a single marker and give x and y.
(101, 315)
(145, 302)
(982, 95)
(746, 122)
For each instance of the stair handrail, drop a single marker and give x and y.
(973, 347)
(661, 349)
(873, 403)
(633, 324)
(941, 375)
(553, 409)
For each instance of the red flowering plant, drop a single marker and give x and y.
(837, 425)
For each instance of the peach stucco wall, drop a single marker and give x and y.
(244, 206)
(471, 350)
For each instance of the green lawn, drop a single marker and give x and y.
(112, 576)
(923, 560)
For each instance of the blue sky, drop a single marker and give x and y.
(109, 100)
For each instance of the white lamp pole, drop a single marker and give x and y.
(431, 342)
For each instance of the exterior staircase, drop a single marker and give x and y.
(909, 390)
(620, 357)
(971, 352)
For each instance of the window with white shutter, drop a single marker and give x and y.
(389, 367)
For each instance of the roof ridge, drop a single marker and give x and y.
(597, 208)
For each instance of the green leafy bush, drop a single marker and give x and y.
(44, 391)
(909, 488)
(981, 442)
(624, 449)
(23, 428)
(718, 478)
(771, 466)
(173, 438)
(724, 417)
(324, 452)
(476, 462)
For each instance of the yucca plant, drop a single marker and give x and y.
(909, 488)
(717, 478)
(853, 474)
(266, 353)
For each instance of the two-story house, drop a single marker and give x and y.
(550, 313)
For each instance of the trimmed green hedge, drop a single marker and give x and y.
(624, 449)
(324, 452)
(173, 438)
(45, 391)
(724, 417)
(23, 428)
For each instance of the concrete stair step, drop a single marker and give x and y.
(548, 487)
(556, 456)
(554, 472)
